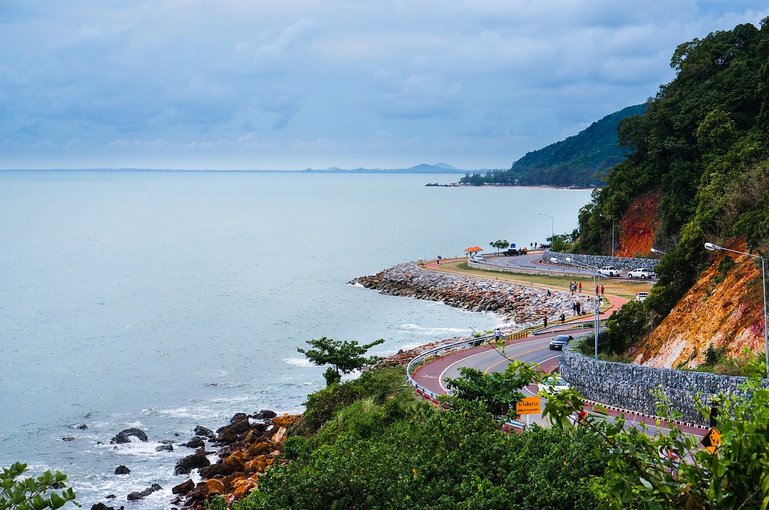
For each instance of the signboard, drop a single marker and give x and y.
(528, 405)
(711, 440)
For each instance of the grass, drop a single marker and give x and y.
(622, 288)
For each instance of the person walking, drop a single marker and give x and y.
(580, 287)
(545, 322)
(602, 289)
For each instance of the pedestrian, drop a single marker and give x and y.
(549, 293)
(580, 287)
(597, 289)
(545, 321)
(579, 308)
(497, 335)
(601, 290)
(563, 318)
(574, 308)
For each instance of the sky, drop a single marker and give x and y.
(293, 84)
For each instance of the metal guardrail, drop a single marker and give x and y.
(437, 352)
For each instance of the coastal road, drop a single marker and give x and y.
(487, 359)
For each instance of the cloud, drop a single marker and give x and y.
(305, 83)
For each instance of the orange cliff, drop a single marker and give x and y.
(725, 315)
(638, 226)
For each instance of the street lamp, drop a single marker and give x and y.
(655, 250)
(715, 247)
(552, 234)
(596, 320)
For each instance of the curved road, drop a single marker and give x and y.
(487, 359)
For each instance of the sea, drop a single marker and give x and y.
(165, 300)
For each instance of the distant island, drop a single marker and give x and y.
(582, 160)
(424, 168)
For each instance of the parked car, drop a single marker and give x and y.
(608, 271)
(553, 384)
(641, 296)
(557, 343)
(641, 272)
(511, 252)
(477, 258)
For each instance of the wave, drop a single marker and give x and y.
(298, 362)
(434, 331)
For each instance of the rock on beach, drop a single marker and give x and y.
(525, 305)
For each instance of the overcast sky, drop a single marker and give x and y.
(285, 84)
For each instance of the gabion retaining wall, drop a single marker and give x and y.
(625, 263)
(633, 387)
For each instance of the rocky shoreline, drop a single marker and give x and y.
(249, 444)
(244, 449)
(527, 306)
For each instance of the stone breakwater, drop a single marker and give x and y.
(527, 306)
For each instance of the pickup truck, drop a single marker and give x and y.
(608, 271)
(642, 273)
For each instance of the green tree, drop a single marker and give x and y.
(344, 356)
(501, 244)
(17, 493)
(672, 469)
(498, 392)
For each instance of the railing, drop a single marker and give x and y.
(437, 352)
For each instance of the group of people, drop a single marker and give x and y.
(575, 287)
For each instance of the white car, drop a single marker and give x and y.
(477, 258)
(553, 384)
(608, 271)
(641, 272)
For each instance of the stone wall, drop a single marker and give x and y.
(633, 387)
(625, 263)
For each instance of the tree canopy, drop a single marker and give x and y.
(344, 356)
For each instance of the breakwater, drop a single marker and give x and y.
(526, 306)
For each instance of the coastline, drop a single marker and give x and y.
(230, 460)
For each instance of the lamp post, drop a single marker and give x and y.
(612, 237)
(655, 250)
(715, 247)
(596, 319)
(552, 231)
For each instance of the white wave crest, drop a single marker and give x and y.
(428, 331)
(297, 362)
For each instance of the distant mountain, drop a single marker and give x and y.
(580, 160)
(423, 168)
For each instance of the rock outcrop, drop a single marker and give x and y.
(124, 436)
(525, 305)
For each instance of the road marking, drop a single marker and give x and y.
(505, 359)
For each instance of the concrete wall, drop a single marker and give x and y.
(633, 387)
(625, 263)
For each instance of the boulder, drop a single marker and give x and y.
(187, 464)
(165, 448)
(238, 417)
(133, 496)
(184, 487)
(265, 414)
(101, 506)
(227, 435)
(200, 430)
(122, 470)
(124, 436)
(195, 442)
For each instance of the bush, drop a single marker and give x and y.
(33, 493)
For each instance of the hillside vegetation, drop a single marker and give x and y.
(580, 160)
(702, 147)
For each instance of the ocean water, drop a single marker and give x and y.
(165, 300)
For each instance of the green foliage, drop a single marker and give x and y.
(374, 384)
(33, 493)
(625, 328)
(367, 457)
(580, 160)
(344, 356)
(500, 244)
(702, 144)
(670, 469)
(497, 392)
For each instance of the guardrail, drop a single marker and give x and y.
(445, 349)
(437, 352)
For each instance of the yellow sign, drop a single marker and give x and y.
(711, 440)
(529, 405)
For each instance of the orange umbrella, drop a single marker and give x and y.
(473, 249)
